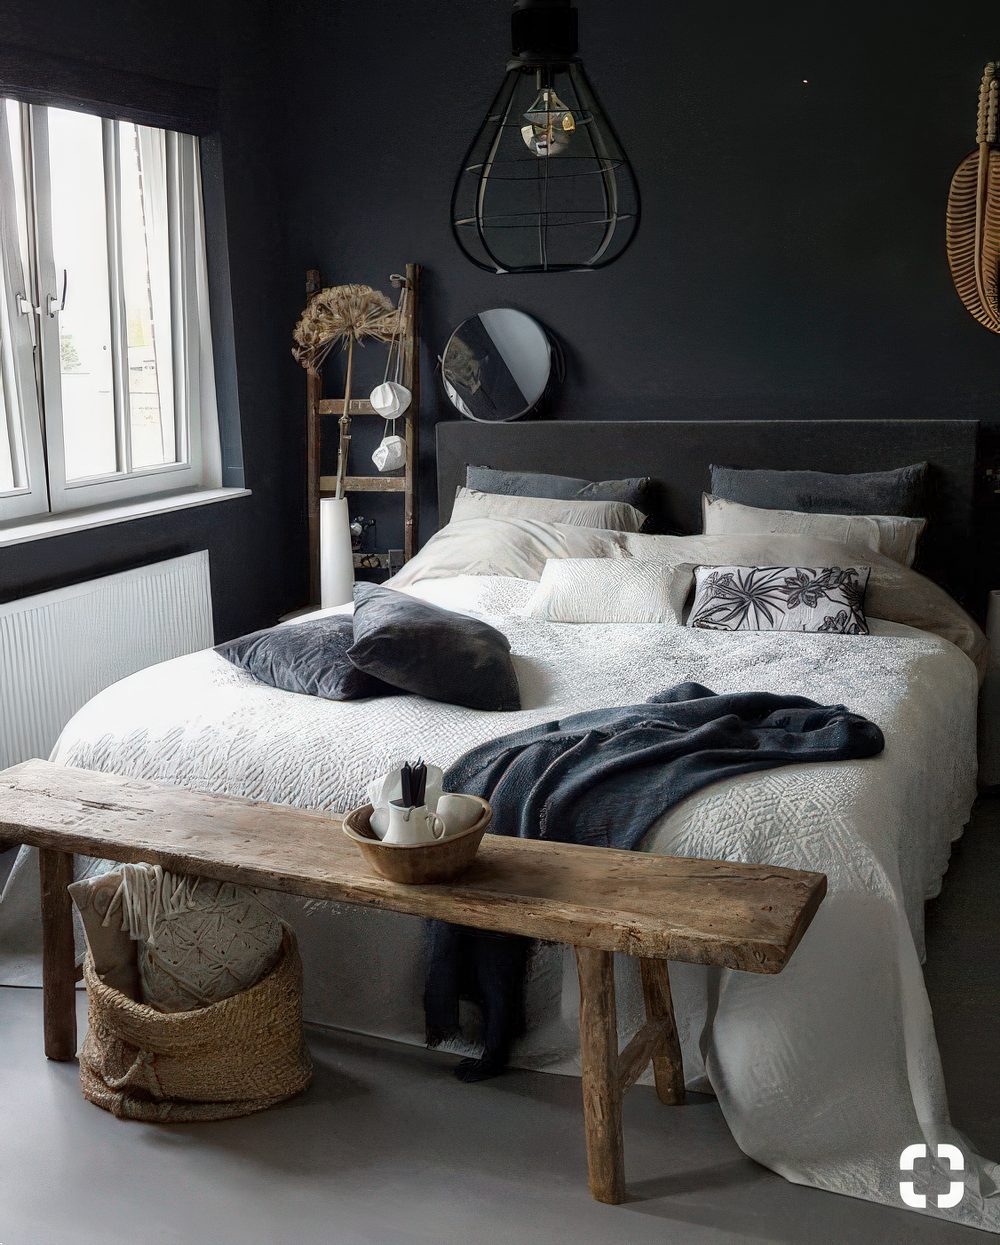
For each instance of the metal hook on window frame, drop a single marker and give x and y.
(54, 303)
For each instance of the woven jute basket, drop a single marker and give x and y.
(235, 1057)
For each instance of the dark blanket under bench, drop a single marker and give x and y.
(603, 778)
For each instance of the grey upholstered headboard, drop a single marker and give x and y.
(677, 454)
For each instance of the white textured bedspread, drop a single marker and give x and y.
(826, 1072)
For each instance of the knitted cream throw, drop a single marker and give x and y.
(198, 941)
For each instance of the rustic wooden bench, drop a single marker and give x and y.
(598, 901)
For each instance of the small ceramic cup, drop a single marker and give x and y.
(458, 812)
(390, 399)
(409, 826)
(390, 454)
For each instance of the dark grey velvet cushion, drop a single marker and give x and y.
(308, 657)
(562, 488)
(902, 491)
(432, 652)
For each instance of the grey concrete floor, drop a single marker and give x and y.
(387, 1147)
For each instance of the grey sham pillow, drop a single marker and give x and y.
(901, 491)
(780, 598)
(563, 488)
(309, 657)
(432, 652)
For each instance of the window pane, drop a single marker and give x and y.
(146, 285)
(11, 454)
(80, 247)
(20, 182)
(6, 448)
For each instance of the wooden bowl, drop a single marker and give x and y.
(417, 863)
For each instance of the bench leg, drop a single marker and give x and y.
(58, 954)
(602, 1091)
(668, 1065)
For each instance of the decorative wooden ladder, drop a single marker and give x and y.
(317, 407)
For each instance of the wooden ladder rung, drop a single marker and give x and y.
(371, 561)
(362, 484)
(335, 406)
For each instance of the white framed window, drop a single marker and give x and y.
(107, 383)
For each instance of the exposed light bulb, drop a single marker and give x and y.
(550, 125)
(515, 210)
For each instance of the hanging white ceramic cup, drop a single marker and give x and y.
(390, 454)
(409, 826)
(390, 399)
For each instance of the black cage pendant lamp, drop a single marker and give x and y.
(546, 185)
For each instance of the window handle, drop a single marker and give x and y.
(54, 303)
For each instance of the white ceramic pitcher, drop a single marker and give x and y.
(389, 787)
(410, 826)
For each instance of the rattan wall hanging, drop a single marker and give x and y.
(973, 220)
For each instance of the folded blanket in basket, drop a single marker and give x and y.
(175, 942)
(603, 778)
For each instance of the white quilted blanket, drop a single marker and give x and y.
(826, 1072)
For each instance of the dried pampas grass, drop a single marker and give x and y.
(342, 313)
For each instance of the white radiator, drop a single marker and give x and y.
(59, 648)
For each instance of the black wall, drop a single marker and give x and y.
(790, 261)
(223, 48)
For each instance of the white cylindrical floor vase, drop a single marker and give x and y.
(336, 556)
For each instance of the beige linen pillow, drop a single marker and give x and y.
(615, 516)
(892, 535)
(606, 590)
(513, 547)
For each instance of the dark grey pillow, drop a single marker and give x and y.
(902, 491)
(308, 657)
(432, 652)
(562, 488)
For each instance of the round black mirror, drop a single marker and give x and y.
(499, 365)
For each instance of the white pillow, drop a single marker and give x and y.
(610, 590)
(615, 516)
(481, 596)
(892, 535)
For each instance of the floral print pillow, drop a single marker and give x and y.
(780, 598)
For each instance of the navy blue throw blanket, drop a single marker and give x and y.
(603, 778)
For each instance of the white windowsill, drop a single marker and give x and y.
(101, 516)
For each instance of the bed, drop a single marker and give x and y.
(824, 1073)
